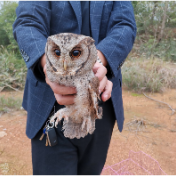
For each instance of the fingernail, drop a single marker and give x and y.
(99, 91)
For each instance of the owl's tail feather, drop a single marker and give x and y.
(78, 130)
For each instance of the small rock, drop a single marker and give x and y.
(2, 134)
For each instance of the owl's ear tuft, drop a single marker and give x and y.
(49, 40)
(88, 41)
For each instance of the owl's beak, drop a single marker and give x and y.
(65, 65)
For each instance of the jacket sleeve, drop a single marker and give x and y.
(31, 29)
(120, 36)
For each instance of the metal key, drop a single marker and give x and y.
(51, 134)
(43, 134)
(46, 141)
(51, 137)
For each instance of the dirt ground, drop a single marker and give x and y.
(149, 127)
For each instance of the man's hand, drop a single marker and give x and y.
(105, 85)
(100, 71)
(102, 57)
(65, 95)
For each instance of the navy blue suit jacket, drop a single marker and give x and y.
(113, 28)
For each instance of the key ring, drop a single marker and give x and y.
(50, 124)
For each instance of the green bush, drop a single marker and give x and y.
(165, 49)
(156, 34)
(7, 18)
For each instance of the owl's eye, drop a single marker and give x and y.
(75, 53)
(57, 53)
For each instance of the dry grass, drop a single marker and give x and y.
(12, 70)
(8, 104)
(150, 75)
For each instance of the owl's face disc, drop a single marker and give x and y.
(69, 53)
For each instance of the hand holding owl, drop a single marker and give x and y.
(65, 95)
(105, 86)
(72, 62)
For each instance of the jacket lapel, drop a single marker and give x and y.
(96, 8)
(76, 5)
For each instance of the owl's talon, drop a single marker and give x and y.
(66, 118)
(57, 121)
(52, 119)
(56, 125)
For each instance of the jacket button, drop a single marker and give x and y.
(120, 65)
(27, 58)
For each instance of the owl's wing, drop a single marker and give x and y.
(94, 96)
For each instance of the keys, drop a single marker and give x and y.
(51, 136)
(43, 134)
(46, 141)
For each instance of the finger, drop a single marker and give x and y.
(101, 72)
(107, 91)
(65, 99)
(59, 89)
(102, 85)
(43, 61)
(96, 66)
(44, 69)
(46, 78)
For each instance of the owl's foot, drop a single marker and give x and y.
(58, 116)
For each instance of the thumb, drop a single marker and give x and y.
(44, 69)
(96, 67)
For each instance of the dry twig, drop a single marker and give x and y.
(173, 110)
(7, 85)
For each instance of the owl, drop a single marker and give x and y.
(69, 62)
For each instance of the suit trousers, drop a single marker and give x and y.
(85, 156)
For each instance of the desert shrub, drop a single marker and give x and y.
(12, 70)
(151, 75)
